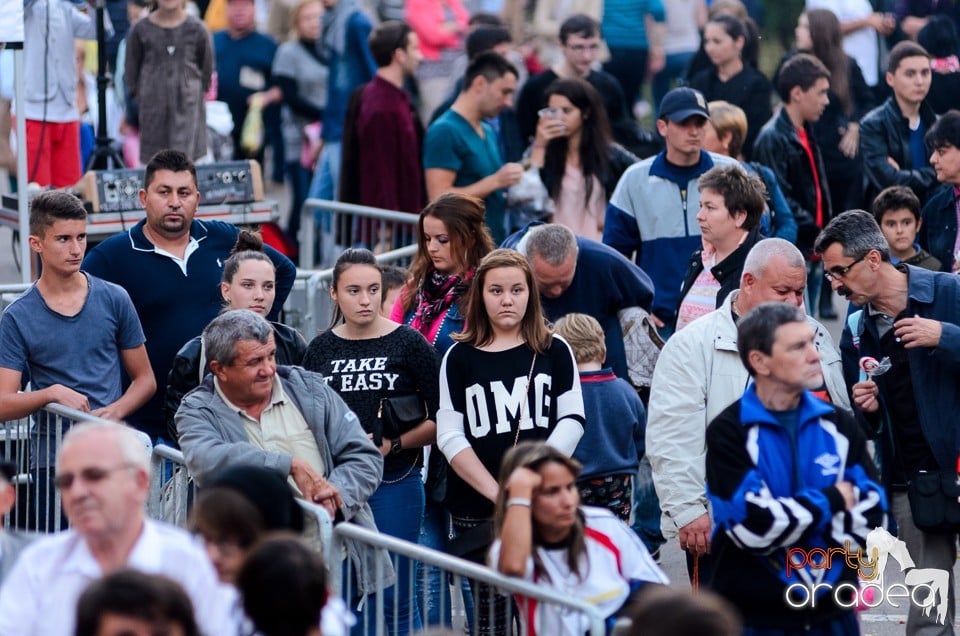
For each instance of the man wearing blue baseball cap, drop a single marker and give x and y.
(652, 215)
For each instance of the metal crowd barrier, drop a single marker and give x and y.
(171, 488)
(30, 444)
(308, 306)
(172, 492)
(454, 570)
(337, 225)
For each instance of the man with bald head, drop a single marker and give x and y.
(103, 474)
(699, 374)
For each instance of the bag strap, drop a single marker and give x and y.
(526, 398)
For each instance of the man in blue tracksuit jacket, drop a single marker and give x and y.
(787, 474)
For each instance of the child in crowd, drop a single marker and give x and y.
(394, 278)
(897, 211)
(168, 68)
(612, 442)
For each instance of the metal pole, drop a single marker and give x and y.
(22, 207)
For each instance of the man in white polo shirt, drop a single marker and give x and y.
(103, 474)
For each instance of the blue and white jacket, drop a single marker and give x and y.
(771, 493)
(650, 214)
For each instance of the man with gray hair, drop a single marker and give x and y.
(103, 474)
(910, 316)
(251, 411)
(579, 275)
(788, 474)
(699, 374)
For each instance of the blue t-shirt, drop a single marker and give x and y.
(453, 144)
(81, 352)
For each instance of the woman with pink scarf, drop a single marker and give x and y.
(453, 239)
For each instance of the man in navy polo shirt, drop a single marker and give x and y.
(171, 266)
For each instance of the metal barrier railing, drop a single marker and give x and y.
(311, 310)
(172, 491)
(30, 444)
(547, 599)
(345, 225)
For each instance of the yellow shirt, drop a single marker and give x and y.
(281, 429)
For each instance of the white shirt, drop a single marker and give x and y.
(614, 557)
(862, 44)
(39, 597)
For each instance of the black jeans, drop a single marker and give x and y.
(492, 611)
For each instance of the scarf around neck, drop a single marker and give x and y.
(438, 293)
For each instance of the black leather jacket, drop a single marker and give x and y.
(885, 132)
(727, 272)
(185, 372)
(778, 147)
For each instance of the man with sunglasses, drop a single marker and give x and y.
(911, 316)
(103, 474)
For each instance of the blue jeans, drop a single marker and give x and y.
(434, 534)
(646, 509)
(674, 69)
(326, 185)
(398, 511)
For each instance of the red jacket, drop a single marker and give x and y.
(427, 17)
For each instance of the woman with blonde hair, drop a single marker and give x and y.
(301, 74)
(507, 379)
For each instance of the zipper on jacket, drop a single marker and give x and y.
(683, 202)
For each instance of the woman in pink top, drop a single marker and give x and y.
(578, 160)
(441, 26)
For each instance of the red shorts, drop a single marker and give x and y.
(53, 153)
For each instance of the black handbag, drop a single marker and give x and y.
(934, 501)
(473, 543)
(399, 414)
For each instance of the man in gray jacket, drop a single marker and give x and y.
(248, 411)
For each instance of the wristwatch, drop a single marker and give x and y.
(396, 446)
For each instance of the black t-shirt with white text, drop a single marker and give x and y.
(363, 372)
(483, 392)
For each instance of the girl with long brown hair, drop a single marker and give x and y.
(508, 379)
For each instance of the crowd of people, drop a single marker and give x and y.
(607, 338)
